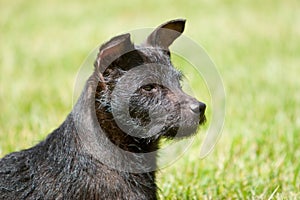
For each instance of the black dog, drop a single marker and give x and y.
(106, 147)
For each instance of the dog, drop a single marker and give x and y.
(107, 146)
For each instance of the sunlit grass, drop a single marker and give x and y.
(255, 46)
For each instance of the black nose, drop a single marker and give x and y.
(198, 107)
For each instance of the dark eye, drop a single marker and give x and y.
(149, 88)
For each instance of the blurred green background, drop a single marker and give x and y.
(254, 44)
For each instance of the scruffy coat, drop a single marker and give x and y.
(89, 156)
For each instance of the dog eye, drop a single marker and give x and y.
(149, 88)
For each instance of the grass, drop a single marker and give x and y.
(254, 44)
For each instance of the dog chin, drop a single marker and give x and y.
(178, 133)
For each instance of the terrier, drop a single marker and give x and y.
(106, 148)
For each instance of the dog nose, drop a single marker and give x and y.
(198, 107)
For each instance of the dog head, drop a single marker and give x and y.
(139, 89)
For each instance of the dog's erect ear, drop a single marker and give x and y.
(164, 35)
(112, 50)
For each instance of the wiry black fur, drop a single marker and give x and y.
(57, 168)
(89, 156)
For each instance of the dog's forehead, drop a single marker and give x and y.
(154, 55)
(159, 57)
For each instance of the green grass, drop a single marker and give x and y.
(254, 44)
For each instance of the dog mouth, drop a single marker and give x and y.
(202, 119)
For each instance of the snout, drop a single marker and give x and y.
(192, 114)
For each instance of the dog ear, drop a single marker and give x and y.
(112, 50)
(164, 35)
